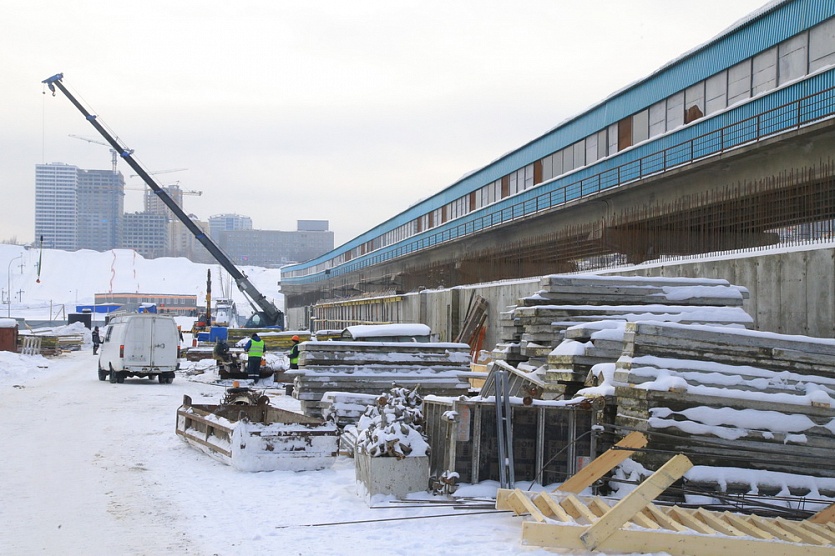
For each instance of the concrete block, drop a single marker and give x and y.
(391, 476)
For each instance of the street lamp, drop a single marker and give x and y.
(9, 283)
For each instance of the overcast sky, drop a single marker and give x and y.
(347, 111)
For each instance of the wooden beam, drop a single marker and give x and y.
(641, 519)
(636, 500)
(676, 544)
(661, 518)
(604, 463)
(501, 498)
(576, 509)
(686, 518)
(746, 527)
(598, 506)
(716, 523)
(823, 516)
(521, 504)
(821, 530)
(551, 508)
(805, 535)
(772, 528)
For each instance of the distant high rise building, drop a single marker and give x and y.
(182, 243)
(227, 223)
(101, 202)
(145, 233)
(78, 209)
(56, 194)
(155, 205)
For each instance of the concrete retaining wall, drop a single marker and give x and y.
(791, 293)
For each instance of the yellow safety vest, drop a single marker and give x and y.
(256, 348)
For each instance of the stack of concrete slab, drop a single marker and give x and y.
(729, 397)
(437, 368)
(553, 329)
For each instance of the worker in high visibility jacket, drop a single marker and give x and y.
(294, 353)
(255, 349)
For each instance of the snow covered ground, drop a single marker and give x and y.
(67, 279)
(91, 467)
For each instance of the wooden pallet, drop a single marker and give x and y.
(565, 519)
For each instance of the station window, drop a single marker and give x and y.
(822, 45)
(793, 58)
(640, 127)
(625, 133)
(764, 71)
(739, 82)
(675, 110)
(716, 92)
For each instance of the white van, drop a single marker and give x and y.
(143, 345)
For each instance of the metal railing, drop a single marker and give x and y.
(781, 119)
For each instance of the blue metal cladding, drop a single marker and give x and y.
(796, 105)
(761, 31)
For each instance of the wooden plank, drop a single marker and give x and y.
(521, 505)
(825, 515)
(576, 509)
(636, 500)
(604, 463)
(550, 535)
(501, 498)
(661, 518)
(716, 523)
(805, 535)
(772, 528)
(685, 518)
(820, 530)
(598, 507)
(641, 519)
(551, 508)
(746, 527)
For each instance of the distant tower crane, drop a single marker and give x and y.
(113, 154)
(182, 191)
(160, 171)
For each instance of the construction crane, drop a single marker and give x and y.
(266, 314)
(113, 154)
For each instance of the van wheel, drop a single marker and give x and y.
(112, 375)
(120, 378)
(102, 374)
(161, 379)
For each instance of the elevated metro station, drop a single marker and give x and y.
(726, 148)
